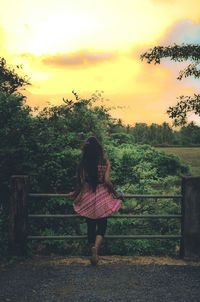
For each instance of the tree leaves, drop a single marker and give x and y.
(10, 81)
(185, 105)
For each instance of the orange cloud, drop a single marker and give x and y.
(83, 58)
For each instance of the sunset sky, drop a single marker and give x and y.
(89, 45)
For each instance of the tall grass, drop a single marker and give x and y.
(188, 155)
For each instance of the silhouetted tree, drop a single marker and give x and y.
(10, 80)
(179, 53)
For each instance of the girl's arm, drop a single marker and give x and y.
(70, 195)
(107, 179)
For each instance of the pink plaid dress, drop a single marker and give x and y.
(97, 204)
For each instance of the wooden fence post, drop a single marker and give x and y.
(18, 214)
(190, 243)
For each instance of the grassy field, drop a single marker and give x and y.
(188, 155)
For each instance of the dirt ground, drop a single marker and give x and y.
(116, 278)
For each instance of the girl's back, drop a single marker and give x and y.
(93, 195)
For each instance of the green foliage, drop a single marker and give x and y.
(135, 170)
(46, 145)
(15, 133)
(189, 157)
(156, 135)
(3, 232)
(10, 81)
(142, 165)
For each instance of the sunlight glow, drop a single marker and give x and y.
(86, 45)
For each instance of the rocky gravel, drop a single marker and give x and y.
(70, 279)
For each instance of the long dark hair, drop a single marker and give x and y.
(92, 156)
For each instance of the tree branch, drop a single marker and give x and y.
(186, 104)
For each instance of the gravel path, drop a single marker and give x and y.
(48, 279)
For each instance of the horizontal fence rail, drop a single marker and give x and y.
(189, 217)
(108, 237)
(112, 216)
(125, 196)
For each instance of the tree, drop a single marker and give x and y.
(16, 138)
(179, 53)
(141, 133)
(10, 81)
(14, 125)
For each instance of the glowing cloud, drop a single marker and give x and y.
(184, 31)
(95, 45)
(79, 58)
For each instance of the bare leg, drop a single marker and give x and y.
(98, 241)
(101, 229)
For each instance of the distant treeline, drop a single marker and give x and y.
(157, 135)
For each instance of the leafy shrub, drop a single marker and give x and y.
(47, 147)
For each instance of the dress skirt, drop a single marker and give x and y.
(97, 204)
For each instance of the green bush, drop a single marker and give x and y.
(46, 145)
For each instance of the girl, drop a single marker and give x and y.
(94, 197)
